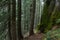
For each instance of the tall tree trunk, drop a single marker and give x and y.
(50, 14)
(32, 10)
(47, 11)
(20, 37)
(13, 19)
(9, 20)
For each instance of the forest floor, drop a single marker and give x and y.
(38, 36)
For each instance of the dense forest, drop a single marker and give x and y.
(29, 19)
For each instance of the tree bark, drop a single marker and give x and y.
(20, 36)
(47, 11)
(13, 20)
(32, 10)
(50, 16)
(9, 20)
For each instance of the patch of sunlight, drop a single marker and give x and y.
(42, 3)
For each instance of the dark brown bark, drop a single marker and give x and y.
(9, 20)
(13, 20)
(32, 10)
(20, 37)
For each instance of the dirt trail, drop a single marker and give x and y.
(35, 37)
